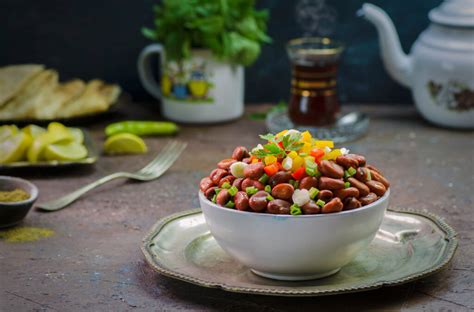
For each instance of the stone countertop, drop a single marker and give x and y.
(93, 261)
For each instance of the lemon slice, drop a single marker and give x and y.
(33, 131)
(68, 151)
(125, 143)
(77, 135)
(39, 144)
(13, 148)
(7, 131)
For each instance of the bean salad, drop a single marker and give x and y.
(295, 174)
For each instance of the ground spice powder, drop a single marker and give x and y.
(25, 234)
(13, 196)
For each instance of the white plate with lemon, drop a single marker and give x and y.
(53, 146)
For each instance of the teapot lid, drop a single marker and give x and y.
(454, 13)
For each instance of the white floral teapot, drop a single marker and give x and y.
(440, 67)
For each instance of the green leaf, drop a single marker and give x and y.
(267, 136)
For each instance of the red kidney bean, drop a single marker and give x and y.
(347, 161)
(228, 178)
(283, 191)
(254, 171)
(241, 200)
(217, 174)
(363, 189)
(240, 152)
(258, 201)
(210, 192)
(376, 187)
(308, 182)
(368, 199)
(351, 203)
(225, 163)
(278, 206)
(246, 160)
(373, 168)
(249, 182)
(331, 169)
(326, 183)
(223, 197)
(325, 195)
(238, 183)
(334, 205)
(205, 183)
(279, 177)
(311, 208)
(362, 174)
(360, 159)
(377, 176)
(347, 192)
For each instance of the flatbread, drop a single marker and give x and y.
(14, 77)
(35, 92)
(64, 93)
(96, 98)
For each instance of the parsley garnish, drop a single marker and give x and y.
(289, 142)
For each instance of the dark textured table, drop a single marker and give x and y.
(93, 261)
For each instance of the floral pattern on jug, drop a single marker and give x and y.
(453, 95)
(187, 81)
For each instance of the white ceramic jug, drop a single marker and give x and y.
(440, 68)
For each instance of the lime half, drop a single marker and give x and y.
(68, 151)
(125, 143)
(13, 148)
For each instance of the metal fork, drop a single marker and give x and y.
(153, 170)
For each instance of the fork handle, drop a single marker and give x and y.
(67, 199)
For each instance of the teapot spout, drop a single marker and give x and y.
(397, 63)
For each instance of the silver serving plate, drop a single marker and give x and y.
(409, 245)
(92, 156)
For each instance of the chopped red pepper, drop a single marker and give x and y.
(271, 169)
(299, 173)
(280, 144)
(317, 153)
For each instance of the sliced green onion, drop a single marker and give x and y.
(214, 198)
(230, 204)
(295, 210)
(346, 174)
(313, 192)
(292, 182)
(217, 190)
(268, 188)
(310, 171)
(347, 184)
(270, 197)
(351, 171)
(303, 154)
(251, 190)
(263, 179)
(233, 190)
(296, 184)
(225, 185)
(320, 203)
(369, 175)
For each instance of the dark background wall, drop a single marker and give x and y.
(90, 38)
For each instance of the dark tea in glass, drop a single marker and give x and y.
(314, 63)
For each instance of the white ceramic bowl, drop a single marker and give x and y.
(286, 247)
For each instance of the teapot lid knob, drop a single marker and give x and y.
(457, 13)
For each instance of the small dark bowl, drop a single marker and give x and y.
(12, 213)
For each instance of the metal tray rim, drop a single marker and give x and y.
(450, 237)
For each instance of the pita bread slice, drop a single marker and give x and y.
(96, 98)
(33, 94)
(52, 106)
(14, 77)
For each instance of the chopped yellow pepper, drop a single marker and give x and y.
(332, 154)
(293, 154)
(297, 163)
(323, 144)
(270, 160)
(306, 137)
(281, 133)
(306, 148)
(254, 160)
